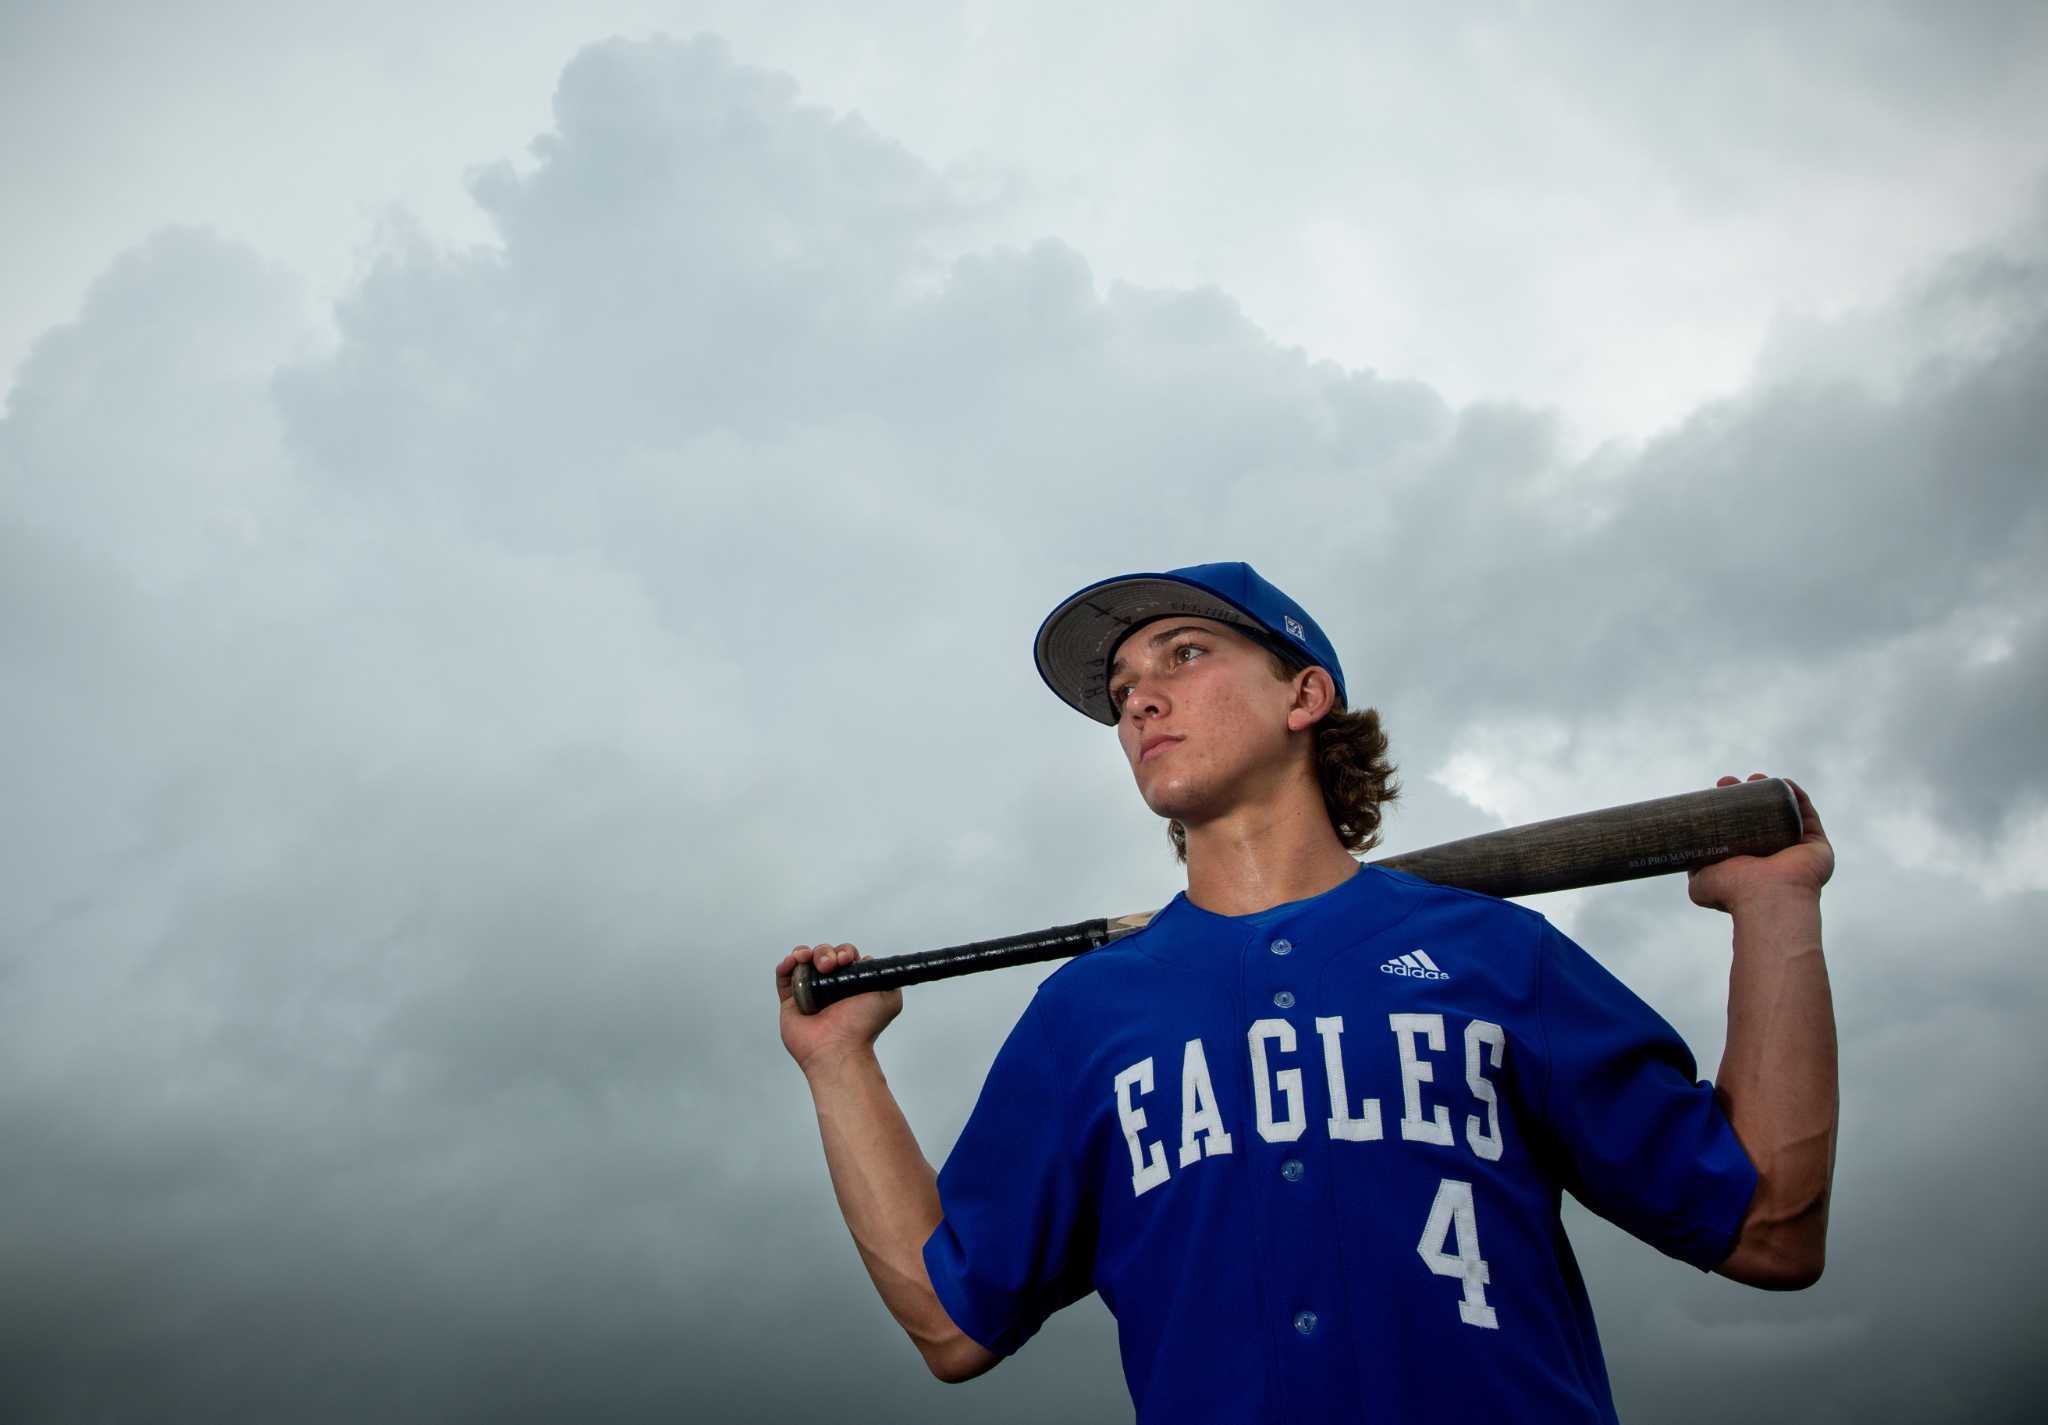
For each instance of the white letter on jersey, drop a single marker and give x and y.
(1366, 1127)
(1452, 1211)
(1289, 1128)
(1148, 1160)
(1198, 1113)
(1414, 1074)
(1478, 1032)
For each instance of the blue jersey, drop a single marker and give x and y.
(1312, 1158)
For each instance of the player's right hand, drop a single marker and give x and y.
(850, 1026)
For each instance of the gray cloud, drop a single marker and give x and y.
(425, 745)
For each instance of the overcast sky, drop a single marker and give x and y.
(509, 521)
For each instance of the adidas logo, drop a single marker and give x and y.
(1416, 966)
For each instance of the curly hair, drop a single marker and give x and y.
(1350, 755)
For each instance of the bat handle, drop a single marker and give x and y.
(813, 991)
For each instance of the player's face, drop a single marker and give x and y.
(1201, 718)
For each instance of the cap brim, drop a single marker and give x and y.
(1075, 641)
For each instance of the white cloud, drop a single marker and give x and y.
(1600, 209)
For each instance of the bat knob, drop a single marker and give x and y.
(803, 988)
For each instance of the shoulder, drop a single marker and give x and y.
(1429, 893)
(1130, 978)
(1494, 948)
(1429, 901)
(1125, 960)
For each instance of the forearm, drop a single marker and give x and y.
(889, 1196)
(1778, 1084)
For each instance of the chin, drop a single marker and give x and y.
(1173, 802)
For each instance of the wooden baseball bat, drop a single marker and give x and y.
(1591, 849)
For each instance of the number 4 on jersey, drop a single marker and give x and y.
(1451, 1215)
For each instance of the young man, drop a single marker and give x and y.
(1307, 1132)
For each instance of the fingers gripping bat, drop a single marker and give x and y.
(1593, 848)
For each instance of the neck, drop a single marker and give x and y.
(1256, 857)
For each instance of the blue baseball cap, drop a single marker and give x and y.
(1078, 640)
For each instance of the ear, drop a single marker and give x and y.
(1315, 694)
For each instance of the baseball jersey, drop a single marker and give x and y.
(1311, 1159)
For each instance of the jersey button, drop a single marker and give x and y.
(1305, 1322)
(1284, 999)
(1291, 1170)
(1281, 947)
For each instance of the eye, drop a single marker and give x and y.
(1119, 693)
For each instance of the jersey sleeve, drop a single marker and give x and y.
(1642, 1142)
(1017, 1241)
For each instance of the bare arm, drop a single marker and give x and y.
(887, 1192)
(1777, 1078)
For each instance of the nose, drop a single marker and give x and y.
(1146, 698)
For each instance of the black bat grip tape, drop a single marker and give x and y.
(813, 991)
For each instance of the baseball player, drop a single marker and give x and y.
(1307, 1132)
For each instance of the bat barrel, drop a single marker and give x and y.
(1678, 833)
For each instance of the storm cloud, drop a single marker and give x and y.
(426, 728)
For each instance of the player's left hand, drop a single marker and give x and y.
(1803, 866)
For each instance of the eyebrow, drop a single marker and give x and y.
(1158, 638)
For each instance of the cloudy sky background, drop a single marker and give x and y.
(503, 530)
